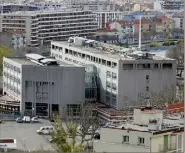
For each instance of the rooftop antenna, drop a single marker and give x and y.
(139, 33)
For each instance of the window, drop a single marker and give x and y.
(114, 76)
(147, 88)
(125, 139)
(108, 74)
(147, 77)
(141, 140)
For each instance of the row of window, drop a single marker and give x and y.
(147, 66)
(141, 140)
(12, 88)
(85, 56)
(37, 83)
(15, 79)
(10, 66)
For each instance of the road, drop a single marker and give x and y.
(25, 135)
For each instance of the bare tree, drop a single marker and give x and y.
(86, 116)
(127, 108)
(177, 53)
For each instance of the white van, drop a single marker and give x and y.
(26, 119)
(45, 130)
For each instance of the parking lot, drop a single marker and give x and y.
(26, 135)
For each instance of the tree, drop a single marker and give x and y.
(62, 132)
(153, 44)
(4, 52)
(84, 115)
(177, 53)
(127, 107)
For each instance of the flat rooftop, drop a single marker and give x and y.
(107, 52)
(25, 61)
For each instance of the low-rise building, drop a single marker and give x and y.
(148, 132)
(39, 86)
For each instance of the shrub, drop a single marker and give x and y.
(154, 44)
(166, 43)
(172, 43)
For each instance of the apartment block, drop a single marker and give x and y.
(36, 85)
(8, 7)
(104, 17)
(43, 26)
(122, 72)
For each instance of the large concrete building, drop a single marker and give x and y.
(123, 74)
(41, 27)
(38, 85)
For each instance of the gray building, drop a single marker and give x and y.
(40, 86)
(122, 75)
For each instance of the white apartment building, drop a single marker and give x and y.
(39, 86)
(121, 74)
(149, 132)
(92, 5)
(104, 17)
(44, 26)
(178, 19)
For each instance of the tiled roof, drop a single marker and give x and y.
(176, 108)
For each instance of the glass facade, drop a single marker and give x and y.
(91, 83)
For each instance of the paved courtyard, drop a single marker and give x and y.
(26, 135)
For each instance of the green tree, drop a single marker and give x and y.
(153, 44)
(4, 52)
(166, 43)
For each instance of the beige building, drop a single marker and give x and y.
(149, 132)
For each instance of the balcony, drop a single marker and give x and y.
(168, 148)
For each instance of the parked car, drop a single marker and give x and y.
(26, 119)
(35, 119)
(19, 120)
(45, 130)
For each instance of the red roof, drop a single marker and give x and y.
(176, 108)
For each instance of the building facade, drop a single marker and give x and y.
(43, 26)
(39, 86)
(178, 19)
(120, 75)
(149, 132)
(104, 17)
(7, 8)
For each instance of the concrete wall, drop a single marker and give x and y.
(132, 82)
(68, 88)
(111, 140)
